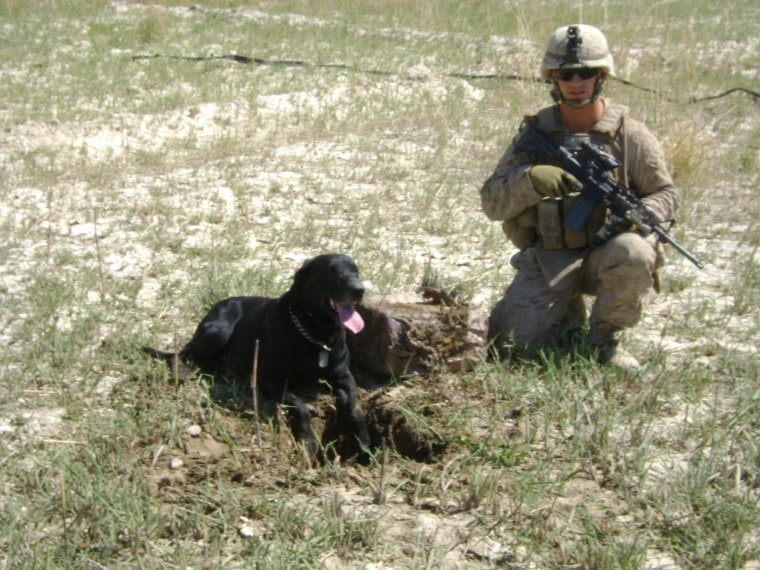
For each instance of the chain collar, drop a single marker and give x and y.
(304, 332)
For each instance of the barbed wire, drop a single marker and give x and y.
(246, 60)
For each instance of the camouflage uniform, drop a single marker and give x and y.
(545, 299)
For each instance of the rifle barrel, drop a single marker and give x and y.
(666, 237)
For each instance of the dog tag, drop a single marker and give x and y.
(323, 357)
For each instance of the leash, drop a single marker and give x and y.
(246, 60)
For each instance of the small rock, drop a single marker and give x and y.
(175, 463)
(194, 430)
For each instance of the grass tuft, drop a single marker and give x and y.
(136, 193)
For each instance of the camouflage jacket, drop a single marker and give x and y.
(508, 194)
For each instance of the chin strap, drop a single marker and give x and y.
(577, 103)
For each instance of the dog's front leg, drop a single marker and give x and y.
(299, 419)
(350, 411)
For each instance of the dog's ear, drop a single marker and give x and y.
(301, 271)
(301, 279)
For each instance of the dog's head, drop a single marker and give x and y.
(327, 288)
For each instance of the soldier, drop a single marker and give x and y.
(555, 266)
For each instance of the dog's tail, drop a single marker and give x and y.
(175, 360)
(167, 357)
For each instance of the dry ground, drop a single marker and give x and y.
(120, 227)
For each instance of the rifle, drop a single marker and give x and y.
(591, 166)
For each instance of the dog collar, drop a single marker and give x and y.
(324, 353)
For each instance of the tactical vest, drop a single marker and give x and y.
(551, 212)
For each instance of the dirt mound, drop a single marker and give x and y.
(238, 448)
(414, 333)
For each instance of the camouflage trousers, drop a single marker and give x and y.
(546, 298)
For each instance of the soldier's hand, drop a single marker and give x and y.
(652, 215)
(642, 217)
(552, 181)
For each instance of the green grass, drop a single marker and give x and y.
(134, 194)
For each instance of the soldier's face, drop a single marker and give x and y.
(577, 84)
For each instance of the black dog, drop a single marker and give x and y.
(301, 340)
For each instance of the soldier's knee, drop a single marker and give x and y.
(632, 249)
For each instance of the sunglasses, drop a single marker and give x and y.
(568, 73)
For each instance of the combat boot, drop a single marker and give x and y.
(609, 351)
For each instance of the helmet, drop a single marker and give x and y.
(578, 45)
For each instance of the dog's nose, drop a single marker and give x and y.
(357, 291)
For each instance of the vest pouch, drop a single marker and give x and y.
(574, 239)
(550, 223)
(596, 219)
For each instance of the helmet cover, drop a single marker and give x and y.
(575, 46)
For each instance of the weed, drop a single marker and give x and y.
(137, 192)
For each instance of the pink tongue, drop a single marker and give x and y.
(350, 318)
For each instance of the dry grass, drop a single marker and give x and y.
(136, 193)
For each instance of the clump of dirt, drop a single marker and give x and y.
(241, 448)
(393, 426)
(415, 333)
